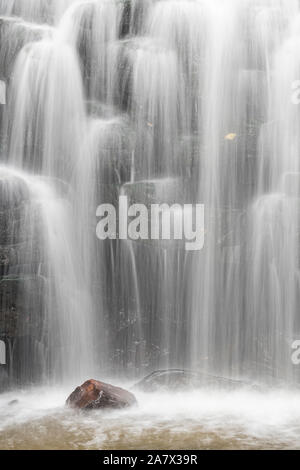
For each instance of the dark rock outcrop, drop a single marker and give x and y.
(180, 379)
(13, 403)
(98, 395)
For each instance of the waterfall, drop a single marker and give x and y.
(273, 282)
(94, 27)
(35, 10)
(164, 102)
(48, 306)
(43, 136)
(44, 132)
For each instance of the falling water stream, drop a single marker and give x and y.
(162, 101)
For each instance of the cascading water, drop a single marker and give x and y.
(35, 10)
(164, 101)
(43, 294)
(94, 27)
(273, 282)
(48, 141)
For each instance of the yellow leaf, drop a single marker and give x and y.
(230, 137)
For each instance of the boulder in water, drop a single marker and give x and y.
(13, 403)
(171, 379)
(180, 379)
(99, 395)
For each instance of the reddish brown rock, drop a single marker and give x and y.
(95, 395)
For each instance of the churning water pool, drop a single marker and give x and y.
(198, 419)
